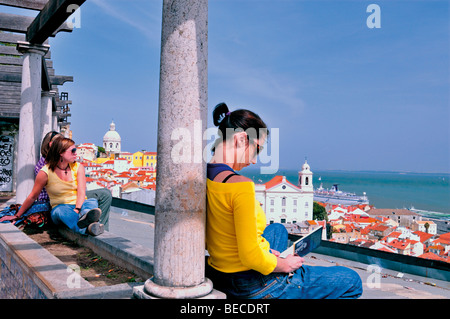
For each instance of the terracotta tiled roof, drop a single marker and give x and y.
(423, 236)
(380, 228)
(388, 211)
(445, 236)
(276, 181)
(433, 256)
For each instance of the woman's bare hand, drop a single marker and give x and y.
(289, 264)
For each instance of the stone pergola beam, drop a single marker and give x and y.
(19, 24)
(17, 78)
(9, 60)
(25, 4)
(51, 17)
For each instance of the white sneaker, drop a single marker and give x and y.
(90, 217)
(95, 229)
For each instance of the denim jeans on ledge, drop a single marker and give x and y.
(65, 214)
(307, 282)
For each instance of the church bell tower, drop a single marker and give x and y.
(305, 178)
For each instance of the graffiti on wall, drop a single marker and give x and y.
(6, 163)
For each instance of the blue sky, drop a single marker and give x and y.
(343, 95)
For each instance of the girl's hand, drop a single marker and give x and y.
(275, 252)
(289, 264)
(6, 218)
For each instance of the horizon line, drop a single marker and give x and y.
(354, 171)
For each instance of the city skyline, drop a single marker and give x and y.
(343, 93)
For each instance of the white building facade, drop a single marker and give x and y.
(284, 202)
(87, 151)
(426, 226)
(122, 165)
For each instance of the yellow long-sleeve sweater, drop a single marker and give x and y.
(234, 225)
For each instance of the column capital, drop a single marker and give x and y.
(51, 93)
(25, 47)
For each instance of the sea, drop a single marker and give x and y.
(426, 193)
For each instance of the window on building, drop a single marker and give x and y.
(272, 202)
(306, 204)
(306, 180)
(283, 220)
(283, 201)
(295, 202)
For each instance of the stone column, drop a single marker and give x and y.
(55, 126)
(180, 207)
(30, 117)
(46, 112)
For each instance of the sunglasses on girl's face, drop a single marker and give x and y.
(73, 150)
(259, 148)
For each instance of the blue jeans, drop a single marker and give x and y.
(307, 282)
(65, 214)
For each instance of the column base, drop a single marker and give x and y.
(150, 290)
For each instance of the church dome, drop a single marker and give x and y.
(112, 140)
(112, 135)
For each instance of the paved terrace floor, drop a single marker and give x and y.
(139, 228)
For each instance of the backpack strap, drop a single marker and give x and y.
(226, 178)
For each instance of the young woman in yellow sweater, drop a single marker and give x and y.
(244, 254)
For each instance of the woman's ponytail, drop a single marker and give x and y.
(220, 112)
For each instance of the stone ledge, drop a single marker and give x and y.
(29, 270)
